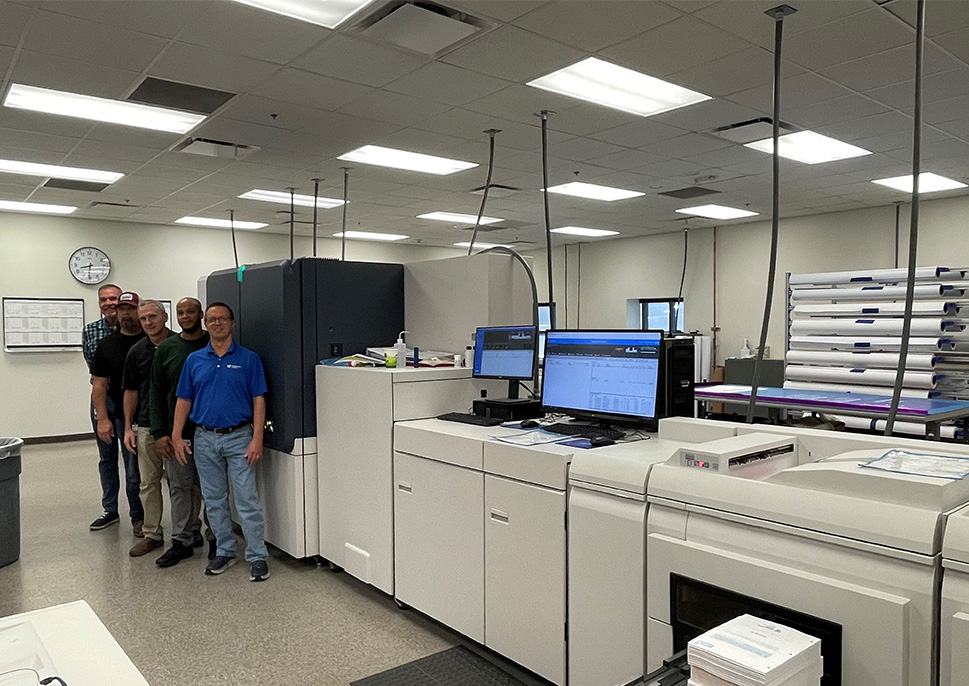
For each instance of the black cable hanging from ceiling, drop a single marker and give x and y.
(484, 196)
(545, 114)
(316, 197)
(679, 295)
(292, 222)
(777, 14)
(913, 235)
(343, 232)
(232, 230)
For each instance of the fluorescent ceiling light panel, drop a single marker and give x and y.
(717, 212)
(593, 191)
(282, 197)
(604, 83)
(219, 223)
(480, 246)
(402, 159)
(581, 231)
(928, 183)
(13, 206)
(810, 148)
(372, 236)
(328, 13)
(100, 109)
(54, 171)
(455, 218)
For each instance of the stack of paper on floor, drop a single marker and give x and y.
(747, 651)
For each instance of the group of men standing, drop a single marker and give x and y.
(154, 395)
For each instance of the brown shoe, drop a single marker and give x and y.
(144, 547)
(137, 527)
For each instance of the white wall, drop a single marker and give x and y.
(46, 394)
(602, 275)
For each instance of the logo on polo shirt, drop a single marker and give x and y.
(233, 366)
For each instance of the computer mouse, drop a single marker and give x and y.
(599, 441)
(529, 424)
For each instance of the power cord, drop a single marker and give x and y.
(528, 390)
(43, 682)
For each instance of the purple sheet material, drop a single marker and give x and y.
(833, 400)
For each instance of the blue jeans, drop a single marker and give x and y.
(220, 457)
(108, 470)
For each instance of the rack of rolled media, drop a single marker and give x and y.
(844, 334)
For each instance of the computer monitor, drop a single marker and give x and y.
(505, 352)
(546, 321)
(605, 375)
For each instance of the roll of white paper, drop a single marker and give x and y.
(875, 276)
(859, 376)
(827, 358)
(932, 326)
(849, 388)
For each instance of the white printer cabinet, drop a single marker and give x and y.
(356, 411)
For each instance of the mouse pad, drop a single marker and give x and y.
(578, 443)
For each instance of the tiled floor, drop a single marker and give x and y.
(458, 666)
(304, 625)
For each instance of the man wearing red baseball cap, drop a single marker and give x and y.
(107, 370)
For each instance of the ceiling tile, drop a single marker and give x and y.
(586, 118)
(935, 87)
(888, 67)
(956, 42)
(86, 41)
(268, 112)
(128, 135)
(502, 10)
(200, 66)
(293, 85)
(603, 23)
(359, 60)
(322, 138)
(13, 20)
(157, 17)
(686, 145)
(673, 47)
(706, 116)
(803, 89)
(242, 30)
(852, 37)
(940, 17)
(943, 111)
(114, 150)
(61, 73)
(689, 6)
(639, 133)
(740, 71)
(439, 82)
(239, 132)
(626, 159)
(582, 149)
(514, 54)
(392, 107)
(867, 127)
(520, 103)
(463, 123)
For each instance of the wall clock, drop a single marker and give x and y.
(89, 265)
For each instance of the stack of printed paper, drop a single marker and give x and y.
(747, 651)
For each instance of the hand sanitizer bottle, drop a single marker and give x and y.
(745, 350)
(401, 350)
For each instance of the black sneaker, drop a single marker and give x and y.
(213, 546)
(104, 521)
(218, 565)
(259, 571)
(178, 552)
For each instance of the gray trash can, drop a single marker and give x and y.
(9, 500)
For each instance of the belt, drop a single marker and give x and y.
(228, 430)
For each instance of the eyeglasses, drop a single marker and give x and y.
(217, 320)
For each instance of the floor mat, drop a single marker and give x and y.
(456, 666)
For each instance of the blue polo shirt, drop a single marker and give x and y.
(221, 388)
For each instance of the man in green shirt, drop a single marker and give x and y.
(183, 480)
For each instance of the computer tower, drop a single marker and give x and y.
(676, 372)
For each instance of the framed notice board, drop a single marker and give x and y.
(42, 324)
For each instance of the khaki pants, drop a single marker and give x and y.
(151, 466)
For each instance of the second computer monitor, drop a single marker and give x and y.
(504, 352)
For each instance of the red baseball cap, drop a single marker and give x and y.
(129, 298)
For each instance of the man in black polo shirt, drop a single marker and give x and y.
(107, 368)
(137, 434)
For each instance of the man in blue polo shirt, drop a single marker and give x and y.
(222, 389)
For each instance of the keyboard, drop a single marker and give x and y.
(465, 418)
(584, 430)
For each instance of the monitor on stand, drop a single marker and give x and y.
(610, 377)
(505, 352)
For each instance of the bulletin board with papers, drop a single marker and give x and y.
(42, 324)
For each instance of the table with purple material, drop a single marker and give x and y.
(928, 411)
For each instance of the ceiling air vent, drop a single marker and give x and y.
(213, 148)
(689, 192)
(751, 130)
(180, 96)
(70, 185)
(99, 203)
(424, 27)
(496, 190)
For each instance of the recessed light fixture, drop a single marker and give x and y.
(594, 191)
(810, 148)
(100, 109)
(282, 197)
(479, 245)
(219, 223)
(54, 171)
(372, 236)
(604, 83)
(403, 159)
(717, 212)
(455, 218)
(582, 231)
(14, 206)
(327, 13)
(928, 183)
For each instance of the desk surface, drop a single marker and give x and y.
(82, 649)
(913, 409)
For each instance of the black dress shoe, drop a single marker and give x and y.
(178, 552)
